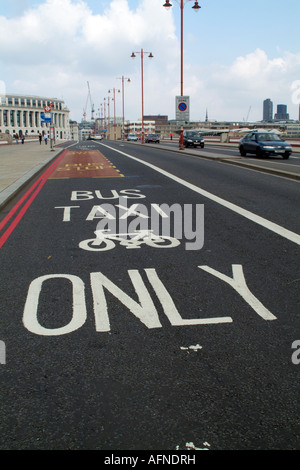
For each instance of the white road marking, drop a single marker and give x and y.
(79, 312)
(238, 283)
(283, 232)
(190, 445)
(193, 348)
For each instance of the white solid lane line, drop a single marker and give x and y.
(283, 232)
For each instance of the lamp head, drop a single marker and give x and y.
(196, 7)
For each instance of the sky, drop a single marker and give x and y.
(236, 54)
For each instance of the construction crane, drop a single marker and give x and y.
(89, 97)
(246, 120)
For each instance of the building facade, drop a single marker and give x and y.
(282, 114)
(268, 110)
(23, 115)
(74, 130)
(135, 127)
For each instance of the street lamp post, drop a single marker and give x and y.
(114, 100)
(196, 7)
(142, 78)
(105, 125)
(101, 117)
(123, 103)
(108, 117)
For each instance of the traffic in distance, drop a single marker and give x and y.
(152, 138)
(261, 144)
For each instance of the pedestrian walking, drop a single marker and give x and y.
(17, 138)
(46, 138)
(40, 138)
(23, 138)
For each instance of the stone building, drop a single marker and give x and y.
(24, 115)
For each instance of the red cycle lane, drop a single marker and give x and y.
(70, 164)
(85, 164)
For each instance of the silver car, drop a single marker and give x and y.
(132, 137)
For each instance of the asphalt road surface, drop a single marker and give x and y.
(130, 340)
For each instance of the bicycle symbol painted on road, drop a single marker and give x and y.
(107, 241)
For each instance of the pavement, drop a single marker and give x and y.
(20, 163)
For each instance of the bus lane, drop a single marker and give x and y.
(125, 290)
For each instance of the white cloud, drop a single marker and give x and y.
(118, 22)
(60, 45)
(229, 91)
(39, 33)
(56, 47)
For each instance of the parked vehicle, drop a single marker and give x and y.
(192, 138)
(152, 138)
(263, 144)
(132, 137)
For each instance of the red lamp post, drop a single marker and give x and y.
(142, 78)
(123, 105)
(114, 100)
(104, 119)
(196, 7)
(108, 118)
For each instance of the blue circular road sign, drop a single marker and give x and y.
(182, 107)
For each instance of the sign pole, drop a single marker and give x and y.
(52, 137)
(181, 147)
(182, 114)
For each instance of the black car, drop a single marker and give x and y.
(263, 144)
(193, 138)
(152, 138)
